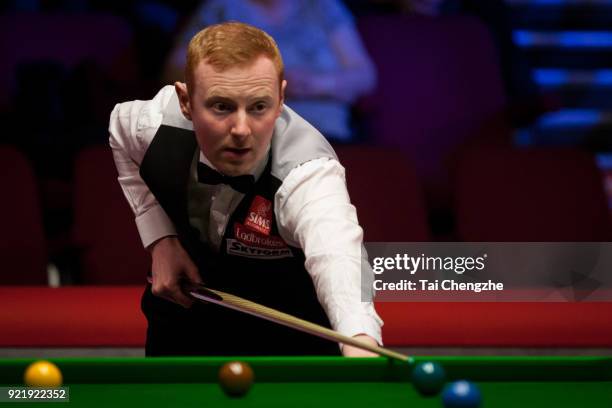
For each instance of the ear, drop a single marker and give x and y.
(183, 96)
(282, 96)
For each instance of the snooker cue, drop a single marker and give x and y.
(230, 301)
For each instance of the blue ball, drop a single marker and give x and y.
(461, 394)
(428, 378)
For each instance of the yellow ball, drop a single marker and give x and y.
(43, 374)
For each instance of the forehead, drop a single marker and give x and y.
(258, 77)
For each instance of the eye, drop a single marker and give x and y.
(221, 107)
(259, 107)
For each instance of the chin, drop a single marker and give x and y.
(234, 169)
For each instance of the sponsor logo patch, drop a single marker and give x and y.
(236, 247)
(249, 237)
(259, 217)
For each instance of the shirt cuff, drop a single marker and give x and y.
(361, 324)
(153, 225)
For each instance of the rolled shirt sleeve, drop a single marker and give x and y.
(131, 129)
(314, 213)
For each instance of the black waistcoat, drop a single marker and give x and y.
(253, 262)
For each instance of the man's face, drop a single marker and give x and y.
(233, 112)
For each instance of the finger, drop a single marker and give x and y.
(183, 300)
(170, 291)
(158, 288)
(192, 274)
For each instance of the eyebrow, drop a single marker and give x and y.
(220, 98)
(264, 97)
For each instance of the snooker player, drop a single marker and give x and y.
(233, 189)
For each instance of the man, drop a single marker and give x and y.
(233, 189)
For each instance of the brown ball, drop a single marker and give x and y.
(236, 378)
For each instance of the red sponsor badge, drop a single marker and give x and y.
(259, 217)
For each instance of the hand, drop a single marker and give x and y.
(170, 265)
(351, 351)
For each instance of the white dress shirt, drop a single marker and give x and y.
(312, 208)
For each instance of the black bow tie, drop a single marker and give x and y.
(207, 175)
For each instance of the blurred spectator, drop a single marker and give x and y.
(525, 102)
(326, 65)
(519, 84)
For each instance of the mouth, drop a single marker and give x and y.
(236, 153)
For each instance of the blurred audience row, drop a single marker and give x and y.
(498, 194)
(424, 79)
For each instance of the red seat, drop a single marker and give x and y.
(386, 192)
(530, 195)
(104, 228)
(23, 251)
(439, 86)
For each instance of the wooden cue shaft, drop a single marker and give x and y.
(234, 302)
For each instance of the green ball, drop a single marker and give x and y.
(428, 378)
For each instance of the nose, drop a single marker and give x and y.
(241, 128)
